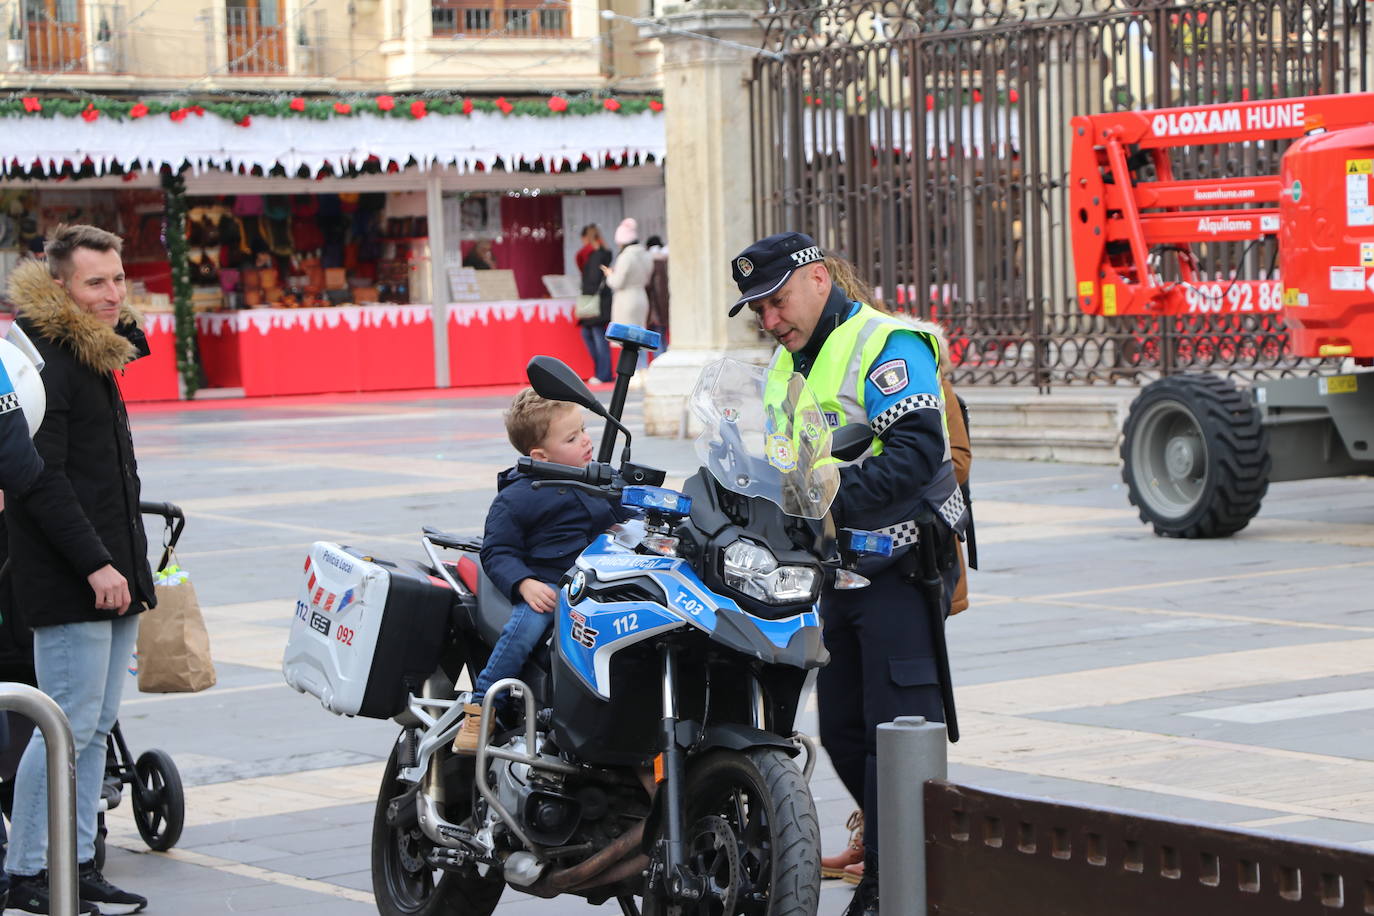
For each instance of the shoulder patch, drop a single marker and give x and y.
(891, 376)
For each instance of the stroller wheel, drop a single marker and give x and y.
(158, 802)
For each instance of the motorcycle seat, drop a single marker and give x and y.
(468, 573)
(493, 608)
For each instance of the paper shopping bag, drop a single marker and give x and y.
(173, 645)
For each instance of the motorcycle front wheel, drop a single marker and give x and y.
(403, 883)
(764, 801)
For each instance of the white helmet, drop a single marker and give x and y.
(28, 384)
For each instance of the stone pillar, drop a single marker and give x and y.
(710, 203)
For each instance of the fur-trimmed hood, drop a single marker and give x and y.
(52, 313)
(931, 327)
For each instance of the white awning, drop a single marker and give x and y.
(467, 143)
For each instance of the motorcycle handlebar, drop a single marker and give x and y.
(595, 474)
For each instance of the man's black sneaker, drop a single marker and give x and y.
(29, 894)
(865, 899)
(112, 900)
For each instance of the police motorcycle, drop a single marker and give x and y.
(647, 755)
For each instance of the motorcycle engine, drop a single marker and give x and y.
(549, 817)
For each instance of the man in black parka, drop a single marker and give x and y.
(77, 545)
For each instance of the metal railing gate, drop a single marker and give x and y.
(928, 142)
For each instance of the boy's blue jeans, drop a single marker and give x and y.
(83, 666)
(522, 633)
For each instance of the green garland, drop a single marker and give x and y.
(178, 254)
(321, 109)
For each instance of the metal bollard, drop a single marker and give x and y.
(910, 751)
(57, 735)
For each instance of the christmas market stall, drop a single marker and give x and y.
(325, 245)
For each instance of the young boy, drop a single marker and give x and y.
(533, 537)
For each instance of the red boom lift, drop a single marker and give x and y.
(1199, 452)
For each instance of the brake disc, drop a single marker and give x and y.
(713, 858)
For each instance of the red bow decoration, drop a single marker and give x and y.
(1013, 96)
(506, 107)
(343, 107)
(558, 103)
(244, 121)
(385, 103)
(418, 109)
(977, 96)
(197, 111)
(138, 110)
(611, 105)
(298, 104)
(179, 115)
(930, 102)
(655, 105)
(91, 112)
(31, 104)
(467, 106)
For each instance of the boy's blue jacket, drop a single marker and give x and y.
(539, 533)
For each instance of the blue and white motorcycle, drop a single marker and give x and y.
(649, 754)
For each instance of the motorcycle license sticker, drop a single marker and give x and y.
(780, 454)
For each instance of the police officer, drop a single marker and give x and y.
(21, 410)
(866, 367)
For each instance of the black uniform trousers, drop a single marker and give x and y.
(882, 665)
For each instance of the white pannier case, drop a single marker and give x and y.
(366, 632)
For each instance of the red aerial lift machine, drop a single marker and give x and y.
(1199, 452)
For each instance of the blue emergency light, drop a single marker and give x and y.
(658, 499)
(633, 334)
(868, 543)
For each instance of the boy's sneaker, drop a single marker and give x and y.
(93, 887)
(29, 894)
(465, 742)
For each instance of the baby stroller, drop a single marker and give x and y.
(159, 805)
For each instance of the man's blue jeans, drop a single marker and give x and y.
(83, 666)
(522, 633)
(594, 336)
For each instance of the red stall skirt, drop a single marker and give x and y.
(154, 377)
(383, 347)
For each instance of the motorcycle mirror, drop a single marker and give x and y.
(552, 379)
(850, 441)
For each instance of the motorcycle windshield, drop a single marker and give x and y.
(765, 435)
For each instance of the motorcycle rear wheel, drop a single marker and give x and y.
(764, 799)
(401, 881)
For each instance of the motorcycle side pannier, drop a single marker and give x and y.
(366, 631)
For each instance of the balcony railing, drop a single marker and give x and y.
(506, 19)
(257, 43)
(68, 36)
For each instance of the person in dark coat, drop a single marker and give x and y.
(658, 291)
(533, 537)
(77, 544)
(594, 284)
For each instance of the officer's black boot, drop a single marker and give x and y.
(865, 900)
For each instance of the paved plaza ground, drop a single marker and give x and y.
(1227, 681)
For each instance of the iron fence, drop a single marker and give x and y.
(928, 141)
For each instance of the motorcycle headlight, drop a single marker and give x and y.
(753, 570)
